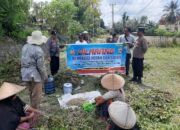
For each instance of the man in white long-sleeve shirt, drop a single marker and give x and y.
(128, 39)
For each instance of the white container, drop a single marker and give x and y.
(67, 88)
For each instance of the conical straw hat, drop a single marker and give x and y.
(112, 81)
(122, 115)
(9, 89)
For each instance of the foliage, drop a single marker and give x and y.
(13, 14)
(75, 28)
(125, 18)
(10, 70)
(59, 14)
(154, 108)
(172, 12)
(135, 23)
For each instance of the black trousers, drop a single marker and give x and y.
(128, 57)
(54, 64)
(137, 65)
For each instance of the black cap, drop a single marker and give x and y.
(128, 29)
(141, 29)
(53, 32)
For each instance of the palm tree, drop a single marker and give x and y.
(172, 12)
(125, 18)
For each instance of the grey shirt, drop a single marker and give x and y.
(32, 63)
(128, 39)
(140, 47)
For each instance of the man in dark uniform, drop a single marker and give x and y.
(139, 50)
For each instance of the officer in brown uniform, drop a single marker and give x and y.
(139, 50)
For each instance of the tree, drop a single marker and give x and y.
(143, 20)
(125, 18)
(172, 12)
(91, 16)
(13, 13)
(59, 14)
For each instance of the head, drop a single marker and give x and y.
(112, 81)
(85, 35)
(36, 38)
(140, 31)
(127, 31)
(8, 91)
(53, 34)
(81, 38)
(113, 35)
(122, 115)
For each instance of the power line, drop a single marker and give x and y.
(145, 7)
(124, 5)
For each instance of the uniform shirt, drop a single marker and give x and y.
(11, 113)
(129, 39)
(32, 63)
(116, 95)
(79, 42)
(53, 47)
(140, 48)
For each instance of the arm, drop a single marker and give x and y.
(110, 94)
(131, 45)
(119, 40)
(144, 45)
(26, 118)
(40, 64)
(47, 46)
(30, 109)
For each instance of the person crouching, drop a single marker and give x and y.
(15, 114)
(122, 117)
(114, 84)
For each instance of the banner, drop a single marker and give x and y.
(94, 56)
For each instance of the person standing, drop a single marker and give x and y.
(81, 40)
(127, 39)
(33, 70)
(139, 50)
(53, 48)
(86, 37)
(114, 38)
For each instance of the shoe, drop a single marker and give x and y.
(139, 81)
(133, 80)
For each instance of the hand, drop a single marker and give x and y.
(31, 115)
(99, 100)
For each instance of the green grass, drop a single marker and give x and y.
(156, 102)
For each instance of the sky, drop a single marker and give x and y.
(134, 8)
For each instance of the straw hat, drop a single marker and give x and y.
(9, 89)
(112, 81)
(36, 38)
(122, 115)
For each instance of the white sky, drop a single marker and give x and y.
(134, 8)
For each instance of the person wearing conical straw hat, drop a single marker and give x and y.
(114, 84)
(122, 117)
(13, 110)
(33, 71)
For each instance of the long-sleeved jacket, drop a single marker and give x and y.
(32, 63)
(115, 95)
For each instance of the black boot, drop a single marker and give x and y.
(134, 79)
(139, 81)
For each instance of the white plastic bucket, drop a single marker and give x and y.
(67, 88)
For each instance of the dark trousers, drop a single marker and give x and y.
(137, 65)
(128, 57)
(54, 64)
